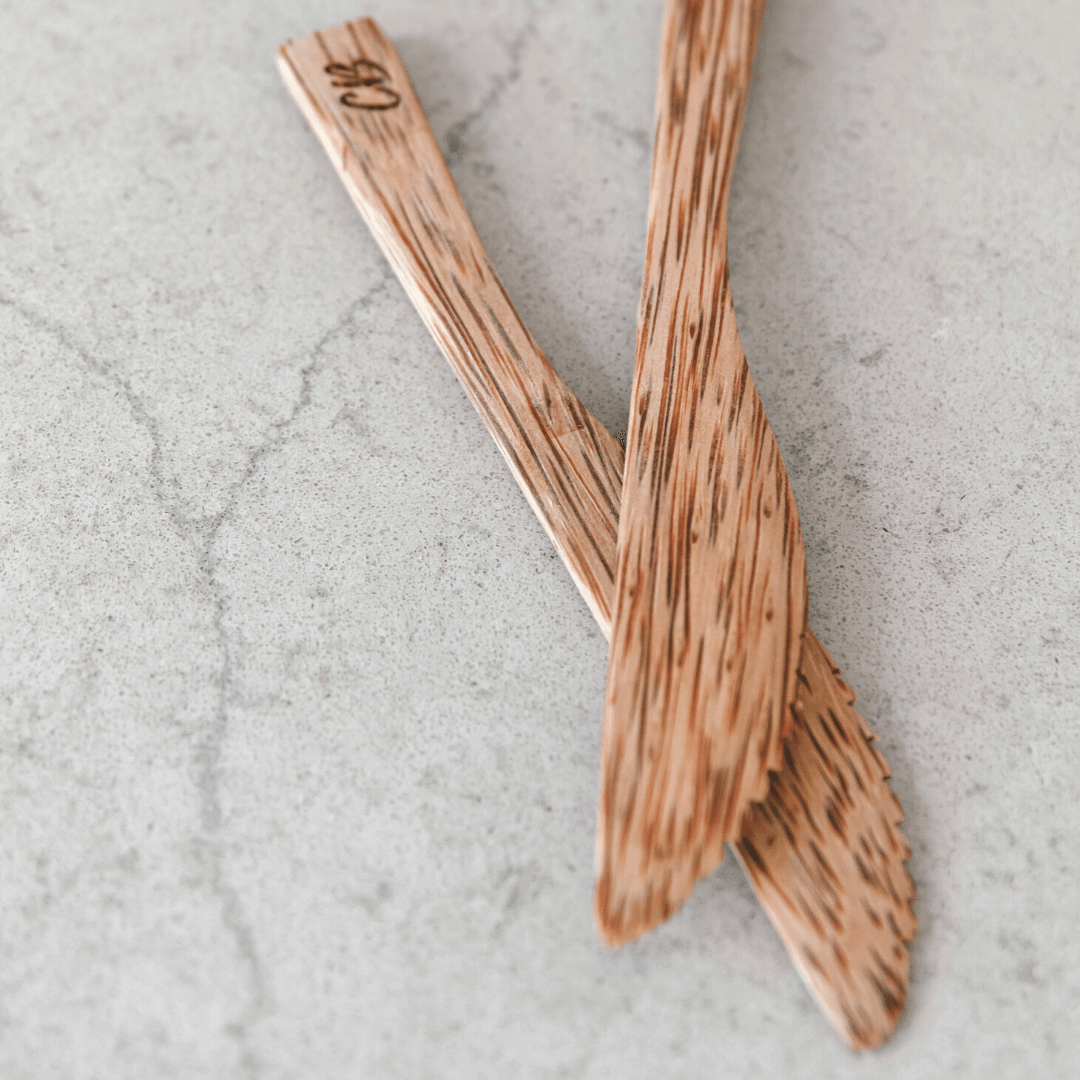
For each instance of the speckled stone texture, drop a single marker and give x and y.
(299, 713)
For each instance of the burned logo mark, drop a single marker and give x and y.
(366, 85)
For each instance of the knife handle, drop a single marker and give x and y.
(355, 92)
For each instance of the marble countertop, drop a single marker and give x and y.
(300, 714)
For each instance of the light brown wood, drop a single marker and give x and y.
(827, 860)
(711, 588)
(357, 96)
(782, 866)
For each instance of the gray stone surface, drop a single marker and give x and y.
(300, 715)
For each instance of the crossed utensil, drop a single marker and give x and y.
(726, 720)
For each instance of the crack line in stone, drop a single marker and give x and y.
(207, 756)
(455, 135)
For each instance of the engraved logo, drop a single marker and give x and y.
(366, 85)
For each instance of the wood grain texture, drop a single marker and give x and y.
(827, 860)
(355, 91)
(801, 861)
(711, 583)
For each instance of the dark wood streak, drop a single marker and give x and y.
(870, 920)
